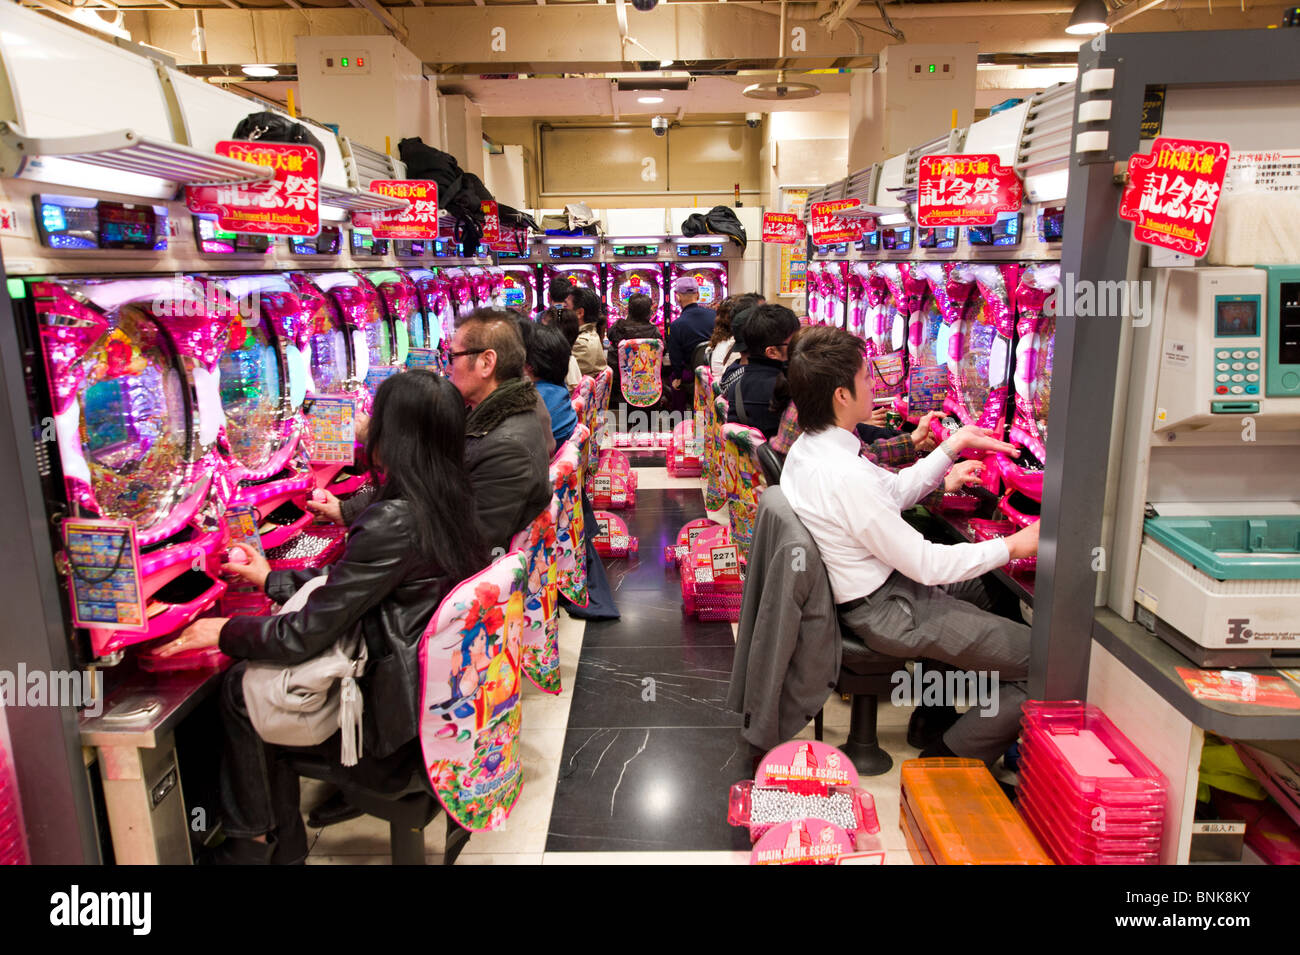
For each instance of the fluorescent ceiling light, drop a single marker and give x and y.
(1088, 19)
(89, 17)
(663, 63)
(649, 100)
(259, 69)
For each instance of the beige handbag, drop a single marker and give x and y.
(304, 704)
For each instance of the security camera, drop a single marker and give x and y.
(753, 119)
(644, 5)
(660, 125)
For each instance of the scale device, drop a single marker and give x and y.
(1213, 520)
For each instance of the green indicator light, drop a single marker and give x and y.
(17, 288)
(931, 66)
(344, 61)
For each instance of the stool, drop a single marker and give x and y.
(407, 811)
(866, 675)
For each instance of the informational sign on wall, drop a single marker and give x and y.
(970, 189)
(794, 258)
(1173, 193)
(286, 204)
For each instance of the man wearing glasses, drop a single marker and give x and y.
(507, 442)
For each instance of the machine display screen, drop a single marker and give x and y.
(365, 243)
(840, 249)
(76, 222)
(869, 242)
(572, 251)
(442, 248)
(408, 248)
(1236, 319)
(700, 251)
(327, 243)
(945, 238)
(896, 240)
(1051, 224)
(503, 254)
(638, 251)
(214, 241)
(1006, 231)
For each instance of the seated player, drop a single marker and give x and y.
(750, 396)
(547, 361)
(902, 595)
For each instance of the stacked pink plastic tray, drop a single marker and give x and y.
(705, 596)
(614, 483)
(612, 538)
(1089, 794)
(684, 454)
(13, 840)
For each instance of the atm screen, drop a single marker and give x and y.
(1236, 319)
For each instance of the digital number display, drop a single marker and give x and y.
(76, 222)
(700, 251)
(1236, 319)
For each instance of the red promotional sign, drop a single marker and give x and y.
(965, 190)
(828, 227)
(511, 240)
(1173, 192)
(419, 220)
(491, 221)
(286, 204)
(781, 228)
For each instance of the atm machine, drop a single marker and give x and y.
(1208, 517)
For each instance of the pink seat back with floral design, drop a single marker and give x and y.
(570, 538)
(744, 476)
(469, 695)
(541, 647)
(640, 363)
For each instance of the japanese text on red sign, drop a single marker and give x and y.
(419, 220)
(286, 204)
(965, 190)
(1173, 193)
(781, 228)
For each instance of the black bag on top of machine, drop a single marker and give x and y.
(271, 128)
(460, 193)
(720, 220)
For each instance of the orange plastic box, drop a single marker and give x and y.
(954, 813)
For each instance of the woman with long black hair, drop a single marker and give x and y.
(416, 540)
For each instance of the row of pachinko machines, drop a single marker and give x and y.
(194, 410)
(971, 340)
(615, 282)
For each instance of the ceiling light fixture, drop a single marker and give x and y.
(666, 63)
(259, 69)
(1088, 18)
(649, 100)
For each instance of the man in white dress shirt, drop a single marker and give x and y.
(903, 595)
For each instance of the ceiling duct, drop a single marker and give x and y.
(781, 90)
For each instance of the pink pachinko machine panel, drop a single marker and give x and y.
(332, 364)
(401, 308)
(927, 339)
(898, 295)
(439, 318)
(132, 368)
(460, 285)
(710, 279)
(374, 351)
(859, 296)
(1035, 342)
(636, 278)
(263, 383)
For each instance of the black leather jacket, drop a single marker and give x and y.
(380, 583)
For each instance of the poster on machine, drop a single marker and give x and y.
(1173, 193)
(419, 220)
(830, 224)
(286, 204)
(104, 575)
(965, 190)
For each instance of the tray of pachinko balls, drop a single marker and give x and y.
(804, 807)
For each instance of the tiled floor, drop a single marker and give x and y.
(632, 763)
